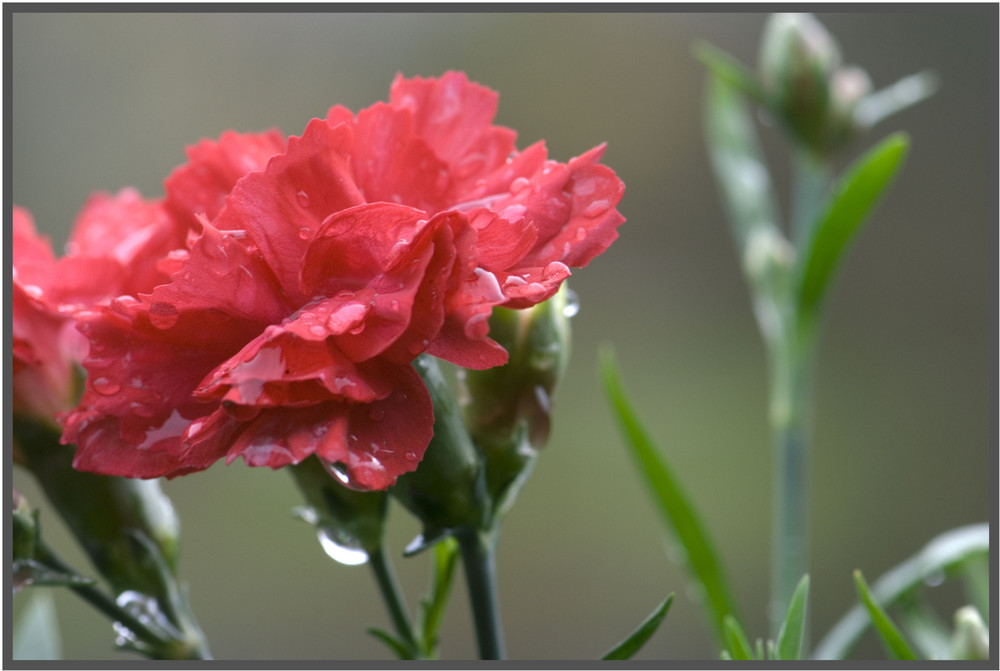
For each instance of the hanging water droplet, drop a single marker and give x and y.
(303, 198)
(343, 551)
(163, 315)
(572, 306)
(934, 579)
(343, 476)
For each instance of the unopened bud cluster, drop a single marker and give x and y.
(806, 84)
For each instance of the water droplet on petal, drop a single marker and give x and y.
(163, 315)
(105, 386)
(344, 295)
(305, 233)
(343, 476)
(317, 330)
(597, 207)
(581, 233)
(342, 550)
(410, 456)
(477, 326)
(514, 281)
(519, 184)
(303, 199)
(33, 290)
(556, 271)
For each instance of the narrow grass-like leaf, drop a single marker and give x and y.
(672, 502)
(723, 65)
(737, 642)
(792, 629)
(397, 646)
(631, 645)
(946, 553)
(433, 607)
(35, 634)
(895, 644)
(738, 162)
(839, 221)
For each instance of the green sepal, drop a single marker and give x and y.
(634, 642)
(730, 70)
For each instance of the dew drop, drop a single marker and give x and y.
(33, 290)
(106, 386)
(556, 271)
(317, 330)
(344, 295)
(343, 476)
(519, 184)
(597, 207)
(572, 307)
(514, 281)
(303, 199)
(342, 550)
(163, 315)
(581, 233)
(410, 456)
(305, 233)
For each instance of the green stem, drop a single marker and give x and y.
(811, 175)
(478, 548)
(393, 597)
(791, 401)
(155, 646)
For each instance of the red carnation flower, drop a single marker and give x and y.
(289, 326)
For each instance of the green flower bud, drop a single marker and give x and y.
(971, 638)
(507, 409)
(349, 523)
(797, 60)
(446, 491)
(24, 529)
(848, 87)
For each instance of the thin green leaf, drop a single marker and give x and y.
(792, 630)
(895, 644)
(926, 629)
(736, 640)
(884, 103)
(28, 572)
(946, 552)
(433, 607)
(738, 162)
(841, 219)
(35, 633)
(724, 66)
(631, 645)
(397, 646)
(701, 558)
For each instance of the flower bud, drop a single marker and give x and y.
(446, 491)
(507, 408)
(971, 638)
(349, 523)
(797, 59)
(848, 87)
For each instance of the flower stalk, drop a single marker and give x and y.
(478, 549)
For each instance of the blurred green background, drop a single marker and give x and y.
(904, 441)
